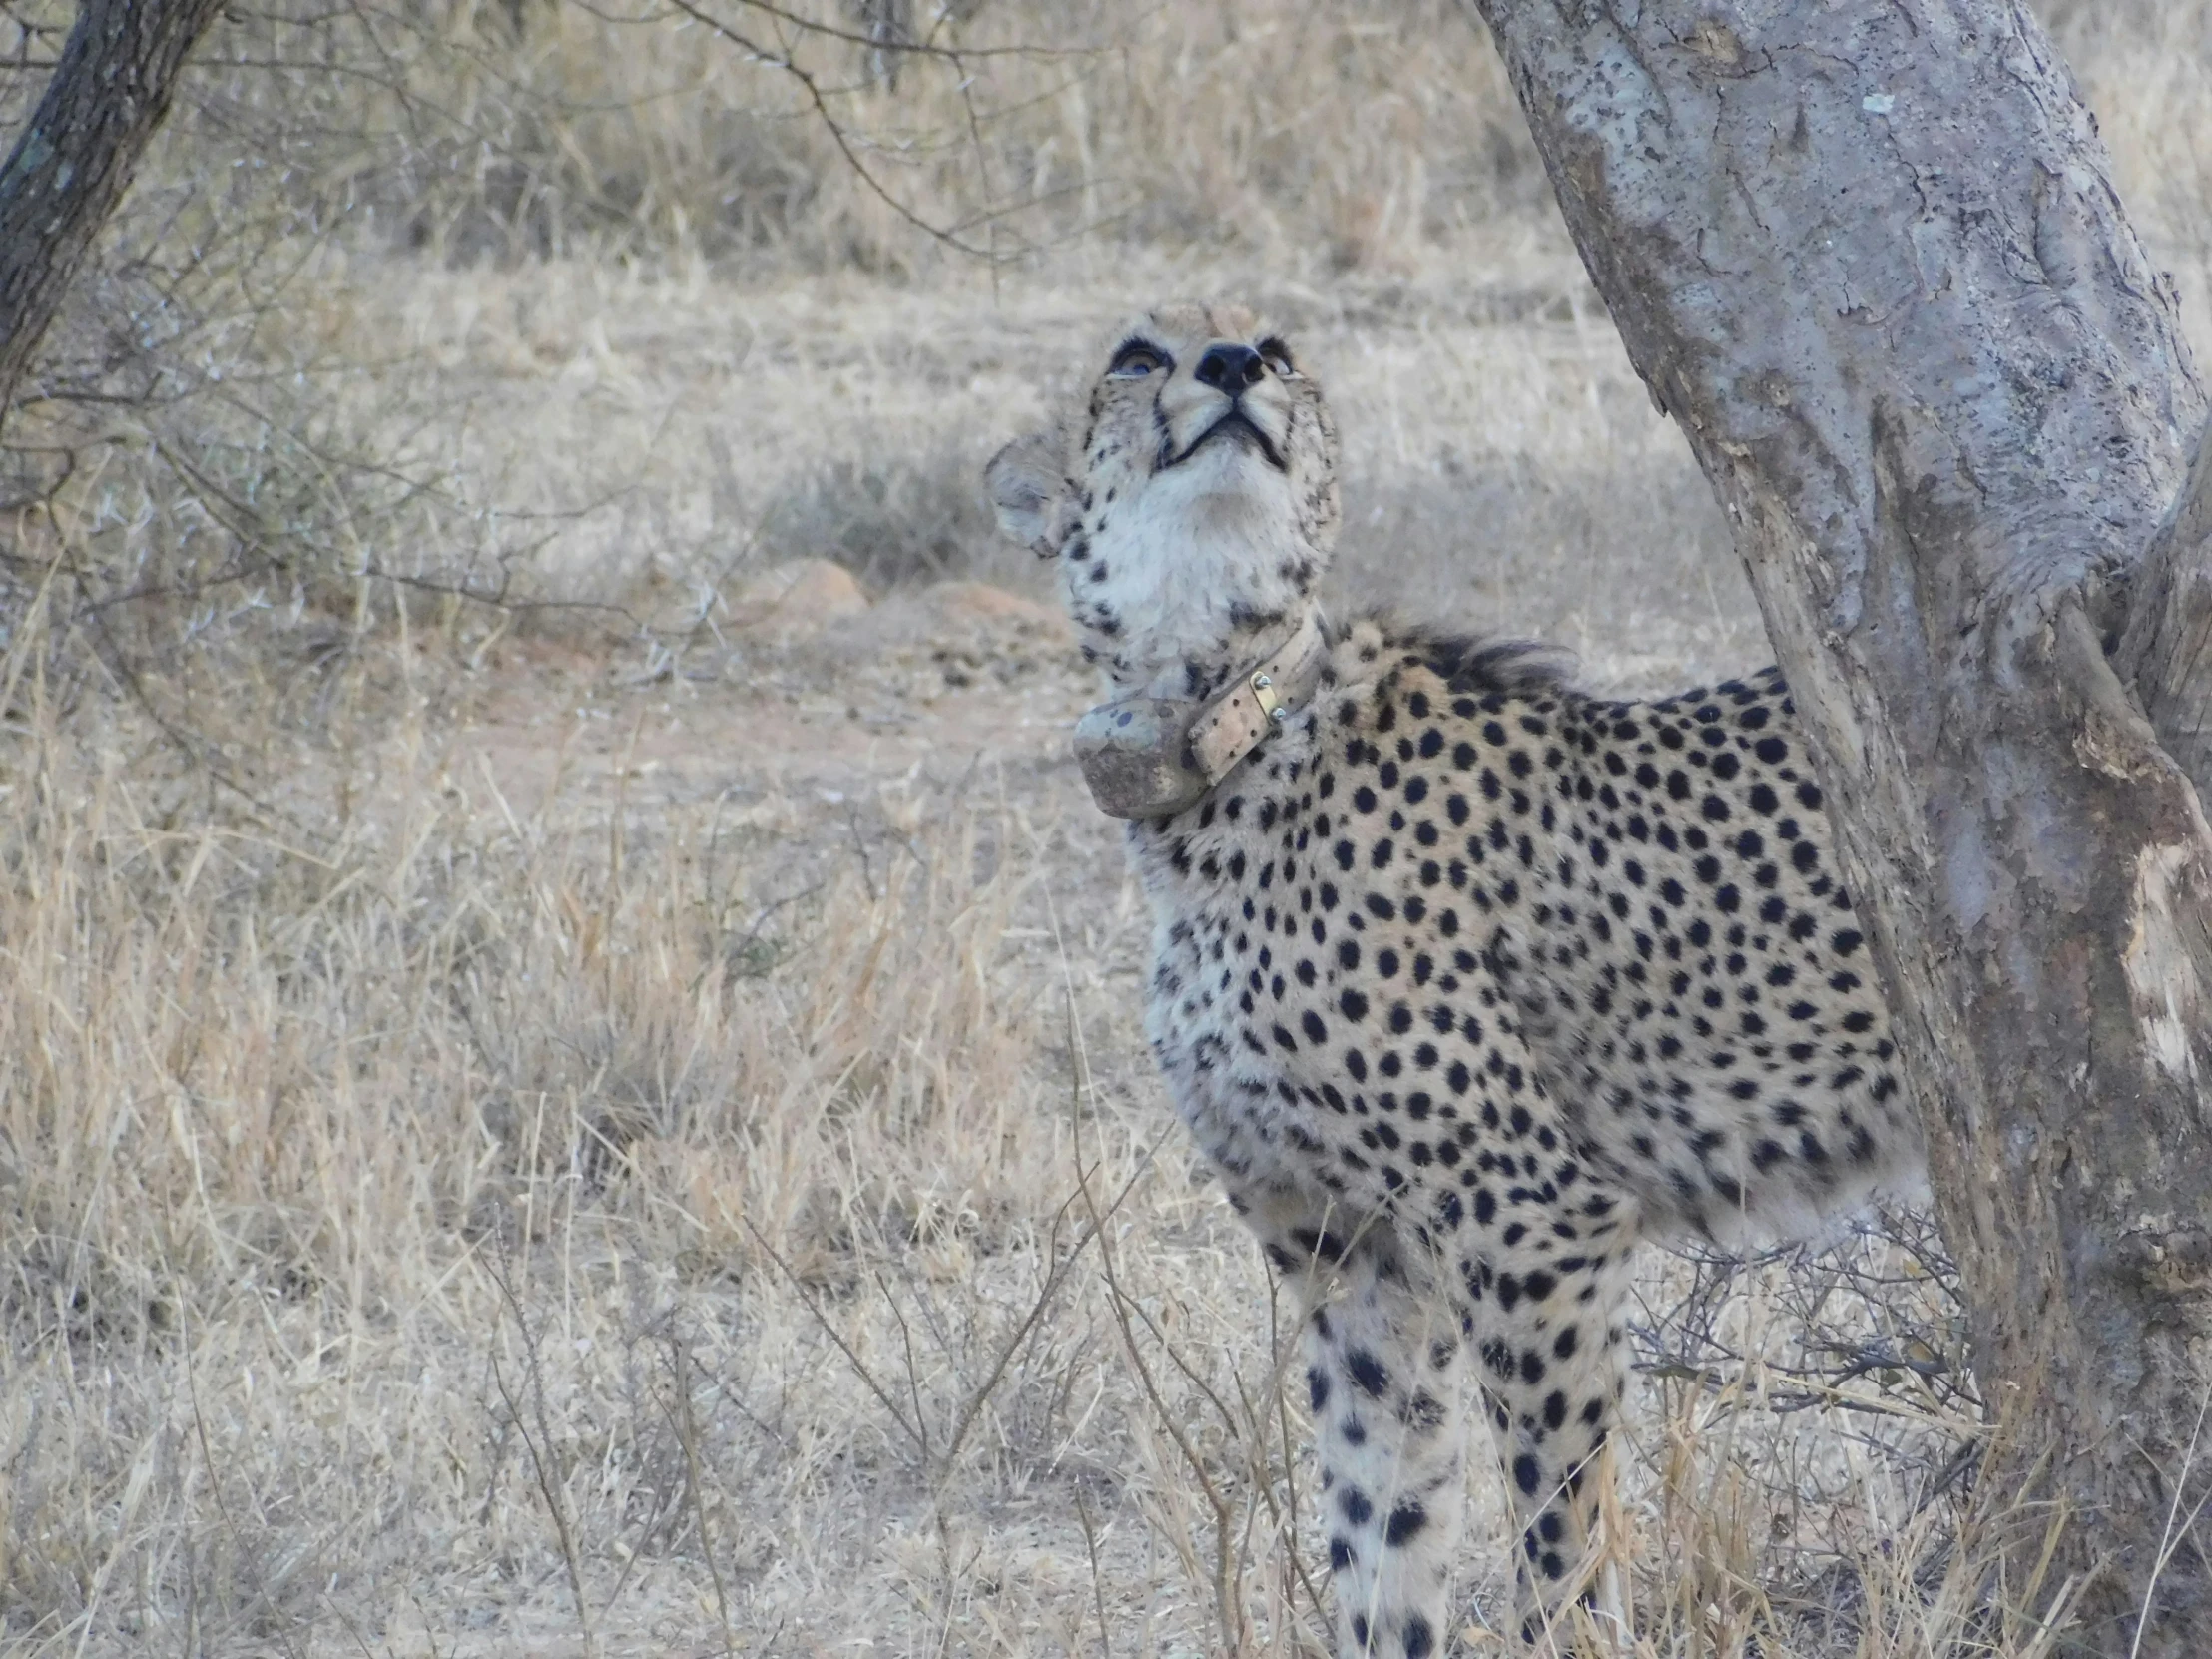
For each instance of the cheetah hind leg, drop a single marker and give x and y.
(1386, 1376)
(1548, 1351)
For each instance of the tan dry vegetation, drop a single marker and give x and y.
(513, 1225)
(540, 1131)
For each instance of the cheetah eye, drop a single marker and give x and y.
(1135, 361)
(1276, 356)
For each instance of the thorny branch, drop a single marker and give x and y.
(848, 144)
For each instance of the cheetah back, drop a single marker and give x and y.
(1476, 902)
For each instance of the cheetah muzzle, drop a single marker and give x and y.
(1466, 982)
(1235, 428)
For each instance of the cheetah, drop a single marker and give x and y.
(1464, 981)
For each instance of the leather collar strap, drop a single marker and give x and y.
(1148, 756)
(1231, 727)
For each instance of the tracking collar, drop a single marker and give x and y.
(1151, 757)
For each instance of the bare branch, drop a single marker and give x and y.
(835, 129)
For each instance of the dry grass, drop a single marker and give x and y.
(443, 1226)
(537, 1131)
(741, 130)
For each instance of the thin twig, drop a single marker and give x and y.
(550, 1485)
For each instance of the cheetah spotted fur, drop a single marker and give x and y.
(1466, 982)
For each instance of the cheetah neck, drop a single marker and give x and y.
(1149, 756)
(1173, 597)
(1188, 646)
(1196, 673)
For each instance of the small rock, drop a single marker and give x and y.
(795, 600)
(981, 602)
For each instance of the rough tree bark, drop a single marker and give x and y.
(1868, 254)
(2167, 652)
(72, 163)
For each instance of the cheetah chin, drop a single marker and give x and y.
(1466, 982)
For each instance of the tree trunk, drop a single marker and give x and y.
(1868, 254)
(71, 164)
(2167, 652)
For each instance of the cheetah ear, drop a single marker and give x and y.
(1032, 493)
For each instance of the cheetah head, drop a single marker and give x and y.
(1191, 498)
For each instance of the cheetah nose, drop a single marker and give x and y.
(1230, 369)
